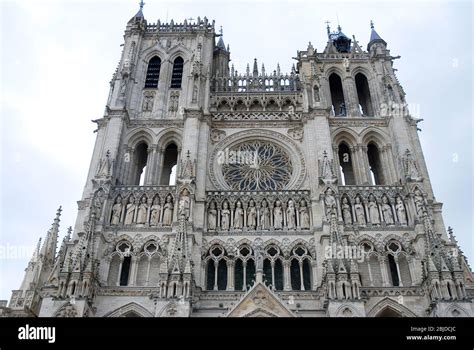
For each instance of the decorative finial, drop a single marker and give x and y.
(58, 213)
(327, 26)
(141, 4)
(371, 24)
(221, 31)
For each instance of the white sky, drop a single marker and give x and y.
(57, 58)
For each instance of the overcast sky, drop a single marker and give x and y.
(57, 58)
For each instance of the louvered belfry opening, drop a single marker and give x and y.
(153, 73)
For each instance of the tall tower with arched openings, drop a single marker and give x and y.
(217, 193)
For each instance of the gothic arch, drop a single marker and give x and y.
(130, 308)
(363, 70)
(365, 238)
(377, 136)
(334, 70)
(139, 135)
(179, 51)
(451, 311)
(344, 134)
(391, 304)
(341, 311)
(168, 136)
(141, 244)
(66, 310)
(304, 243)
(149, 53)
(394, 237)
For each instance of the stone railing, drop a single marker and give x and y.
(252, 211)
(257, 83)
(198, 25)
(374, 206)
(21, 301)
(143, 206)
(242, 116)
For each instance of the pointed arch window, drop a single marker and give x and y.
(375, 165)
(363, 94)
(141, 158)
(153, 73)
(177, 75)
(337, 96)
(170, 161)
(346, 168)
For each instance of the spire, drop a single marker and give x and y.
(255, 68)
(374, 37)
(48, 251)
(220, 42)
(139, 14)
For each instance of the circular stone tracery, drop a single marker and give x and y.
(257, 166)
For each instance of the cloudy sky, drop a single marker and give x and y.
(57, 58)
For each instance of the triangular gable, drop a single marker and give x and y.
(260, 301)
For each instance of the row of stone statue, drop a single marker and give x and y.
(141, 211)
(263, 217)
(371, 211)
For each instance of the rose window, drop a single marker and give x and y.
(257, 166)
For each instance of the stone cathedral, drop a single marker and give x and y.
(213, 192)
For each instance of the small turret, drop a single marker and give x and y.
(375, 38)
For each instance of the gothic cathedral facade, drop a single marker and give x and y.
(218, 193)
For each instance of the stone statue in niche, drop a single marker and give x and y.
(105, 166)
(264, 216)
(130, 211)
(123, 87)
(277, 216)
(346, 211)
(142, 211)
(401, 212)
(257, 251)
(168, 211)
(155, 212)
(238, 216)
(98, 204)
(290, 215)
(326, 170)
(329, 202)
(359, 211)
(346, 63)
(225, 216)
(252, 215)
(373, 210)
(304, 215)
(195, 92)
(187, 168)
(317, 98)
(148, 102)
(387, 211)
(419, 203)
(212, 217)
(342, 110)
(411, 168)
(184, 204)
(116, 211)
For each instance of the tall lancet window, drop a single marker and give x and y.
(153, 73)
(177, 75)
(375, 164)
(339, 107)
(363, 93)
